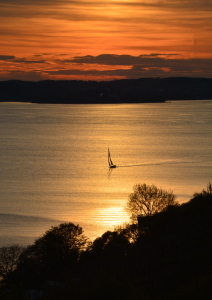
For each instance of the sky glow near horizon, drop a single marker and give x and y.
(105, 40)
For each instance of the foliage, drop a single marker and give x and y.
(53, 256)
(171, 260)
(204, 193)
(110, 241)
(147, 200)
(9, 258)
(129, 231)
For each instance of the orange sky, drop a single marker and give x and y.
(105, 39)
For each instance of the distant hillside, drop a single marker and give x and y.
(117, 91)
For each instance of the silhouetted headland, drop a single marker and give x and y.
(143, 90)
(164, 255)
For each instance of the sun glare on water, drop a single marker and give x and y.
(112, 216)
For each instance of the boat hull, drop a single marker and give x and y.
(113, 166)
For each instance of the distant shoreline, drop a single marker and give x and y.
(109, 103)
(143, 90)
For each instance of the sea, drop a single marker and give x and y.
(54, 162)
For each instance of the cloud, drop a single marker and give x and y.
(113, 59)
(95, 9)
(181, 4)
(22, 75)
(36, 2)
(138, 66)
(151, 60)
(25, 61)
(6, 57)
(109, 74)
(71, 22)
(14, 59)
(110, 66)
(106, 66)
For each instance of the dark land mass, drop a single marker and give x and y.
(166, 256)
(141, 90)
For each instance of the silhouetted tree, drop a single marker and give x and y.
(9, 258)
(204, 193)
(147, 200)
(53, 256)
(169, 260)
(114, 242)
(129, 231)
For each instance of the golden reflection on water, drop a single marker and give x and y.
(55, 168)
(112, 216)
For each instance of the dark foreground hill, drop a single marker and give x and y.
(165, 256)
(116, 91)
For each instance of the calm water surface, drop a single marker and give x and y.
(54, 161)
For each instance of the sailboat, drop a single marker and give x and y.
(111, 165)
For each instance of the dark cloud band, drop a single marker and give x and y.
(6, 57)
